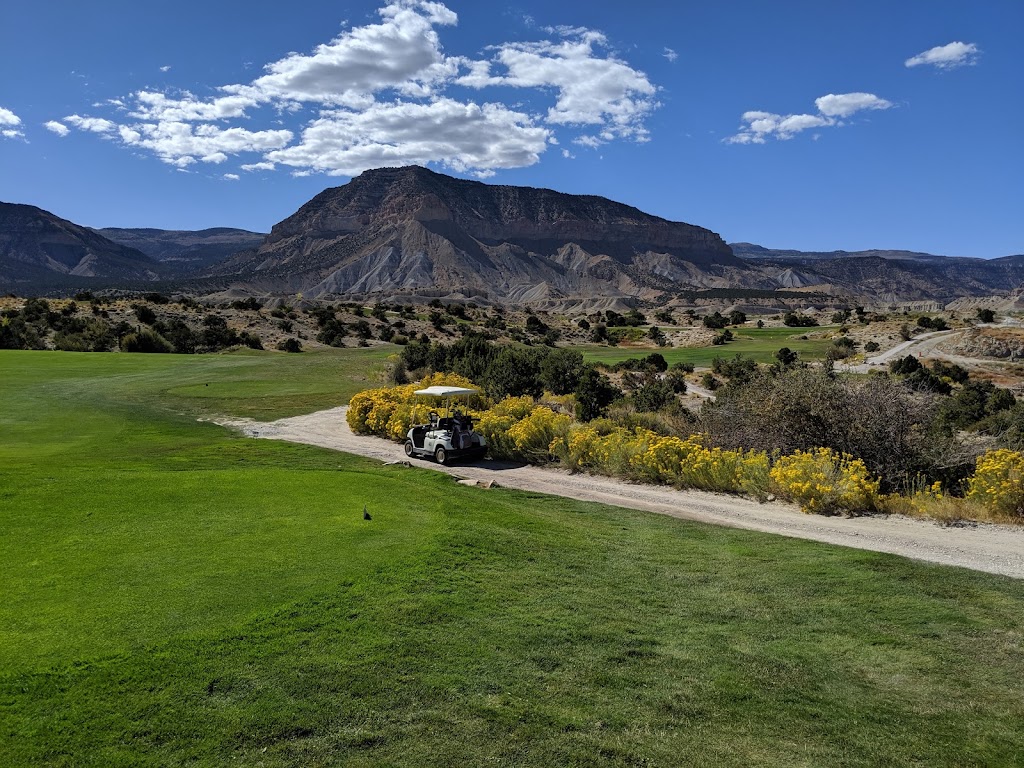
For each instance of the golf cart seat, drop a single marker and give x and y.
(419, 433)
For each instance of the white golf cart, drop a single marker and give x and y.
(447, 437)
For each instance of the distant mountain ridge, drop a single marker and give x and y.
(887, 276)
(185, 250)
(39, 250)
(413, 234)
(753, 251)
(409, 231)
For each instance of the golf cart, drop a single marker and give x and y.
(447, 437)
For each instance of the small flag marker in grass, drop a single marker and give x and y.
(366, 515)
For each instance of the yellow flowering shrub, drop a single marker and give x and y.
(924, 498)
(998, 482)
(391, 411)
(710, 469)
(585, 446)
(534, 435)
(617, 452)
(518, 428)
(689, 464)
(578, 449)
(822, 481)
(755, 475)
(644, 455)
(404, 416)
(359, 408)
(655, 458)
(930, 500)
(494, 424)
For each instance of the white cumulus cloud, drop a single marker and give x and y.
(592, 89)
(382, 94)
(403, 53)
(181, 144)
(91, 124)
(949, 56)
(845, 104)
(59, 128)
(8, 118)
(463, 137)
(231, 176)
(9, 124)
(150, 105)
(758, 126)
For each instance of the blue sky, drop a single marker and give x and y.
(809, 125)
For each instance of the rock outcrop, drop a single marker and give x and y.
(1005, 343)
(397, 232)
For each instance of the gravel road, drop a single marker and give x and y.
(926, 345)
(982, 547)
(923, 346)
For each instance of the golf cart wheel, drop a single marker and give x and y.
(410, 449)
(441, 455)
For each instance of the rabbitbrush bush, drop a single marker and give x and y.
(641, 454)
(823, 481)
(533, 435)
(496, 423)
(518, 428)
(998, 482)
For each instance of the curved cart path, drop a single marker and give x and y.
(927, 345)
(919, 346)
(982, 547)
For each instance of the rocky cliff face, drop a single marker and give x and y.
(39, 251)
(409, 231)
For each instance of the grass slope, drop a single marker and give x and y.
(176, 595)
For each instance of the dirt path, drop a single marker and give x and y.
(919, 346)
(926, 345)
(991, 548)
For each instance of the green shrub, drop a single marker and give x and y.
(146, 340)
(715, 321)
(796, 320)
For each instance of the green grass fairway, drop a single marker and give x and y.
(174, 594)
(761, 344)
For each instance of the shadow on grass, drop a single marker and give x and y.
(494, 465)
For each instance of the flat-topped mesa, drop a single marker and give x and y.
(403, 233)
(492, 214)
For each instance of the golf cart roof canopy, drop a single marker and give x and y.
(438, 391)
